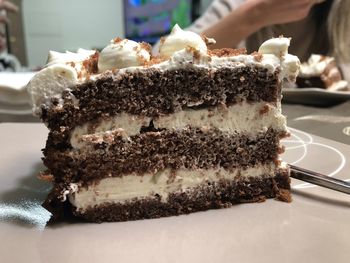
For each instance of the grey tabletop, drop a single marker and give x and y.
(313, 228)
(329, 122)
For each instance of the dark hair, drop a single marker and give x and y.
(320, 13)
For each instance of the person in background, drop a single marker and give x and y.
(4, 7)
(8, 62)
(315, 26)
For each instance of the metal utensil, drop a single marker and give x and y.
(320, 179)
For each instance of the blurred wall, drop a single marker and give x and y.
(15, 43)
(205, 4)
(67, 25)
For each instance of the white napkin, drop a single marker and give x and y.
(13, 87)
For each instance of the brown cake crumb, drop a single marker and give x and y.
(284, 195)
(146, 46)
(277, 162)
(265, 109)
(80, 75)
(172, 176)
(227, 52)
(222, 107)
(46, 176)
(141, 59)
(257, 56)
(194, 51)
(117, 40)
(91, 64)
(208, 41)
(72, 64)
(281, 149)
(154, 60)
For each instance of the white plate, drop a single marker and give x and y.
(14, 97)
(314, 96)
(313, 228)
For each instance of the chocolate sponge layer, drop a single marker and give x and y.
(149, 152)
(154, 92)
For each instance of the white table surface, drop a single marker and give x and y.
(315, 227)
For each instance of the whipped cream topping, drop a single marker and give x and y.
(75, 60)
(180, 39)
(279, 48)
(49, 83)
(276, 46)
(326, 68)
(315, 65)
(55, 57)
(62, 71)
(181, 49)
(122, 54)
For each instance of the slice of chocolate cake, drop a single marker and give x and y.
(321, 72)
(134, 136)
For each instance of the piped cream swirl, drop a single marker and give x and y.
(68, 57)
(278, 47)
(122, 54)
(180, 39)
(61, 72)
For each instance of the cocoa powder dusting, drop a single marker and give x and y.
(146, 46)
(91, 64)
(195, 52)
(227, 52)
(154, 60)
(207, 41)
(257, 56)
(46, 176)
(117, 40)
(265, 109)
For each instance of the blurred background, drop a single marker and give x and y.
(60, 25)
(29, 29)
(33, 27)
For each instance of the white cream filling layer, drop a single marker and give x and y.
(243, 117)
(121, 189)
